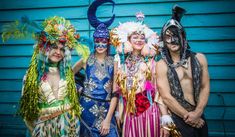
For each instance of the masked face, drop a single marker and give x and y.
(56, 53)
(172, 39)
(137, 41)
(101, 45)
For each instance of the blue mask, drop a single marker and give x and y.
(101, 45)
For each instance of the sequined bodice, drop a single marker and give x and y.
(50, 103)
(98, 82)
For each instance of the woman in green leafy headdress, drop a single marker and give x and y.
(49, 103)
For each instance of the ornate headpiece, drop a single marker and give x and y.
(49, 33)
(177, 14)
(120, 34)
(57, 29)
(101, 28)
(177, 29)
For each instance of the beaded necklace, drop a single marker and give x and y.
(132, 64)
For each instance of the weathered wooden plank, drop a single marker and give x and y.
(14, 4)
(220, 113)
(11, 120)
(206, 7)
(220, 128)
(221, 99)
(11, 85)
(165, 8)
(213, 46)
(220, 59)
(221, 134)
(189, 21)
(12, 73)
(229, 126)
(9, 108)
(220, 33)
(72, 12)
(14, 132)
(29, 4)
(208, 34)
(23, 62)
(195, 34)
(123, 10)
(12, 126)
(222, 86)
(16, 50)
(222, 72)
(79, 24)
(10, 97)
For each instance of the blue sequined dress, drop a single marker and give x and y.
(96, 96)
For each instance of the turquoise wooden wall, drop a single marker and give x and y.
(210, 26)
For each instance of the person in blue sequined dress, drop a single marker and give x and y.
(97, 99)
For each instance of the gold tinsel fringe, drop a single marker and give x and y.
(131, 98)
(29, 109)
(72, 92)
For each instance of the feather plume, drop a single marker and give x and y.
(20, 29)
(83, 48)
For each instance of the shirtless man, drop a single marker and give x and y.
(183, 79)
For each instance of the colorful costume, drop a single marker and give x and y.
(95, 98)
(179, 38)
(97, 93)
(136, 80)
(48, 111)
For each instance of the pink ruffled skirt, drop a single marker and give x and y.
(146, 124)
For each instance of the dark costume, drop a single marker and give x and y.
(179, 38)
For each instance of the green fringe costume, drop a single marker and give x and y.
(59, 117)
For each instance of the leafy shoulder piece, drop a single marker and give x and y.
(83, 49)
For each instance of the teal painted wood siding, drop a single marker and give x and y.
(210, 27)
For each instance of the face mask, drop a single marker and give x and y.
(172, 37)
(100, 45)
(174, 40)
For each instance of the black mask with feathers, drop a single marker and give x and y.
(178, 36)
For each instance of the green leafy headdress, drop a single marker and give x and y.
(48, 33)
